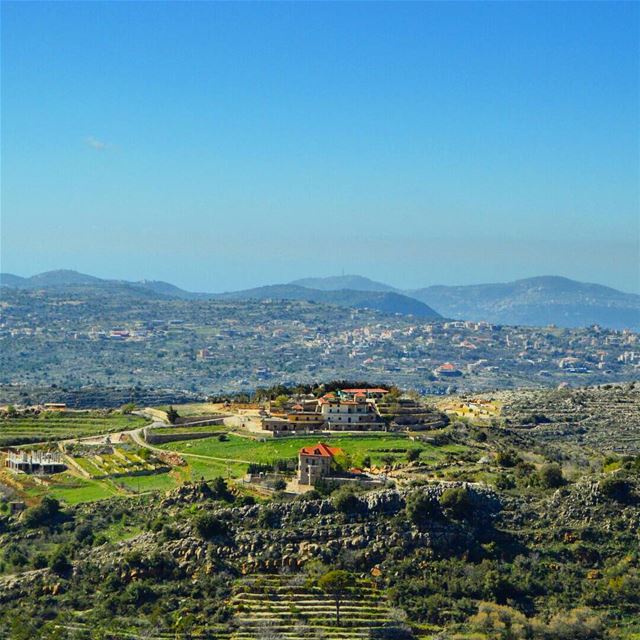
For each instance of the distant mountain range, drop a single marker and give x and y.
(533, 301)
(65, 280)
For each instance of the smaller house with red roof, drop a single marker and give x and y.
(314, 462)
(447, 370)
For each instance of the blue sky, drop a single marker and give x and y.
(228, 145)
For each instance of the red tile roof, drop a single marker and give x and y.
(320, 449)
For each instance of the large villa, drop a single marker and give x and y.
(344, 410)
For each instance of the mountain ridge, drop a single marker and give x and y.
(536, 301)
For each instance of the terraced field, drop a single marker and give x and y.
(50, 426)
(284, 607)
(120, 462)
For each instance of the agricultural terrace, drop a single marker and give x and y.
(61, 425)
(377, 446)
(195, 409)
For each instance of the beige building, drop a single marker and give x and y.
(314, 462)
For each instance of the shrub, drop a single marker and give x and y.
(345, 500)
(577, 624)
(616, 488)
(221, 490)
(209, 526)
(39, 561)
(507, 458)
(550, 476)
(421, 508)
(456, 503)
(505, 481)
(59, 563)
(43, 514)
(172, 415)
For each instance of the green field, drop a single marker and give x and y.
(244, 450)
(54, 425)
(153, 482)
(73, 490)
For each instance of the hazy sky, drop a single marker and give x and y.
(229, 145)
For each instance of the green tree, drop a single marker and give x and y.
(551, 476)
(421, 508)
(337, 584)
(280, 402)
(60, 563)
(616, 488)
(345, 500)
(456, 503)
(172, 415)
(43, 514)
(209, 526)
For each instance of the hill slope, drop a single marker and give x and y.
(387, 302)
(65, 280)
(537, 302)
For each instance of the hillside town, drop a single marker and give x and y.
(208, 348)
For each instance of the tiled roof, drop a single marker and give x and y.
(320, 449)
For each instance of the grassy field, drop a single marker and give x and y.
(49, 426)
(376, 446)
(73, 490)
(142, 484)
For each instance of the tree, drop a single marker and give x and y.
(551, 476)
(345, 500)
(281, 401)
(421, 507)
(45, 513)
(456, 503)
(413, 455)
(508, 458)
(60, 563)
(618, 489)
(337, 583)
(128, 408)
(172, 415)
(209, 526)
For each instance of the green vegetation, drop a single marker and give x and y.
(531, 542)
(53, 425)
(338, 584)
(379, 448)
